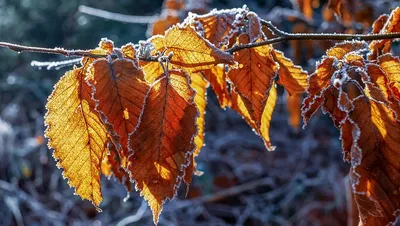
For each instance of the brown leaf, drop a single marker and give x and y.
(291, 77)
(321, 79)
(375, 174)
(245, 108)
(217, 78)
(163, 142)
(218, 26)
(254, 28)
(293, 104)
(111, 166)
(120, 91)
(380, 47)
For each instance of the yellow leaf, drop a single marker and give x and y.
(217, 78)
(76, 134)
(199, 84)
(191, 51)
(291, 77)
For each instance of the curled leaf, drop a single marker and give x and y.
(217, 78)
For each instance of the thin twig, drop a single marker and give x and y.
(282, 37)
(61, 51)
(55, 64)
(117, 16)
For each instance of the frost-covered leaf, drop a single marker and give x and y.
(251, 80)
(199, 84)
(245, 108)
(111, 166)
(217, 78)
(219, 26)
(392, 24)
(164, 141)
(120, 90)
(191, 51)
(77, 134)
(319, 81)
(291, 77)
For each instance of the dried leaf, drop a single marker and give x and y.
(111, 166)
(380, 47)
(375, 154)
(163, 23)
(321, 79)
(191, 51)
(152, 70)
(163, 142)
(218, 26)
(77, 134)
(291, 77)
(217, 78)
(199, 84)
(244, 107)
(120, 91)
(305, 7)
(293, 104)
(254, 27)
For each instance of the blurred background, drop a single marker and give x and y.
(301, 183)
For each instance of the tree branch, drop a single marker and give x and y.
(61, 51)
(282, 37)
(116, 16)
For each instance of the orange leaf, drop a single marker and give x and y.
(379, 47)
(174, 4)
(375, 154)
(293, 104)
(120, 91)
(111, 165)
(191, 51)
(254, 27)
(379, 23)
(129, 51)
(217, 78)
(306, 8)
(381, 84)
(163, 142)
(218, 26)
(292, 77)
(152, 70)
(164, 22)
(199, 84)
(391, 66)
(76, 134)
(244, 107)
(335, 6)
(254, 75)
(320, 80)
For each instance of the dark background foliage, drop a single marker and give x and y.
(301, 183)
